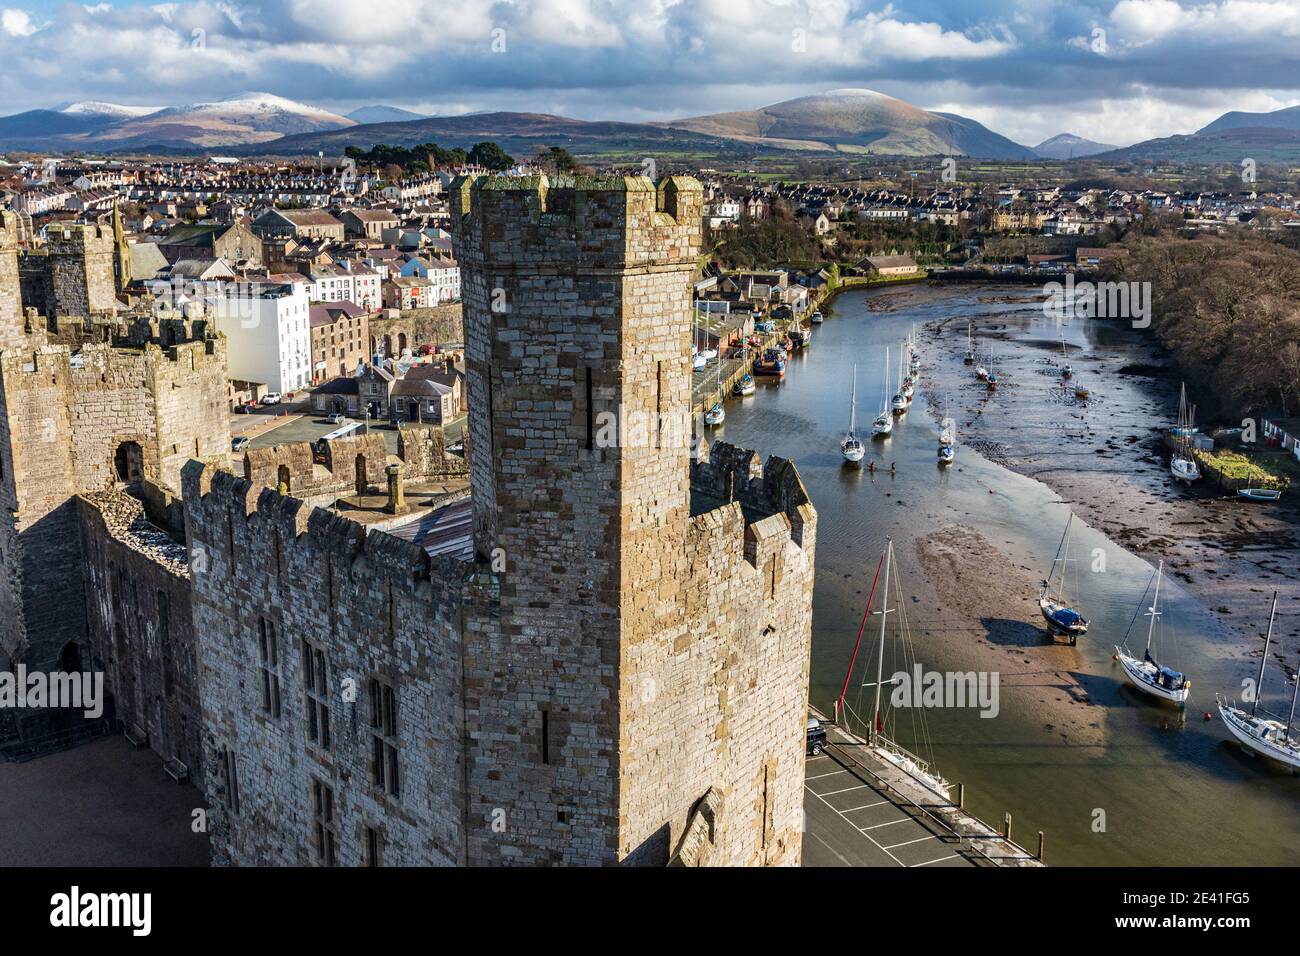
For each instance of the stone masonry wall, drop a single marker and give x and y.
(377, 608)
(81, 269)
(139, 624)
(636, 658)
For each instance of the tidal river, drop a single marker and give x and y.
(1108, 776)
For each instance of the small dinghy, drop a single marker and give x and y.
(745, 386)
(1163, 683)
(715, 415)
(1259, 494)
(817, 318)
(1266, 735)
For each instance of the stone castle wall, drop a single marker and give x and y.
(378, 608)
(139, 624)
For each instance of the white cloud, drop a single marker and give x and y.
(16, 23)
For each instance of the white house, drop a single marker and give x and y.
(267, 324)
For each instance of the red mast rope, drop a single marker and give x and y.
(858, 643)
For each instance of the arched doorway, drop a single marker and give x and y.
(401, 343)
(128, 462)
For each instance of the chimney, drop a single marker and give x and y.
(396, 493)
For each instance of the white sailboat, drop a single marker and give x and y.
(851, 445)
(884, 423)
(914, 363)
(1146, 674)
(969, 357)
(1264, 735)
(718, 413)
(1066, 370)
(1061, 617)
(1183, 463)
(900, 400)
(880, 744)
(946, 454)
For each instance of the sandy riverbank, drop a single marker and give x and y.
(1103, 456)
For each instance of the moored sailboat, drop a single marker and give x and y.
(1183, 464)
(884, 423)
(1147, 675)
(969, 357)
(1267, 735)
(851, 446)
(1057, 611)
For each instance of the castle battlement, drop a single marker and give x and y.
(763, 489)
(79, 238)
(613, 222)
(214, 496)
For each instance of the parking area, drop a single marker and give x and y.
(850, 822)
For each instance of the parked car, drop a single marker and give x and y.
(271, 398)
(239, 444)
(243, 408)
(816, 737)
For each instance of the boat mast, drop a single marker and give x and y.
(853, 404)
(1286, 736)
(880, 658)
(1155, 603)
(1259, 684)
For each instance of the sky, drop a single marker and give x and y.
(1115, 71)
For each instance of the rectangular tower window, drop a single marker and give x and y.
(269, 666)
(324, 829)
(546, 736)
(590, 414)
(383, 733)
(315, 672)
(374, 847)
(230, 779)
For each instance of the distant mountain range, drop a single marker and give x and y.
(1069, 146)
(383, 114)
(848, 121)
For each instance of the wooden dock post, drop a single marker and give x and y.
(1040, 846)
(961, 796)
(1007, 823)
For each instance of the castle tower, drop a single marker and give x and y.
(11, 306)
(577, 306)
(82, 269)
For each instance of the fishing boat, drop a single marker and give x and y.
(1265, 735)
(1183, 464)
(817, 318)
(991, 379)
(851, 445)
(1057, 611)
(1080, 391)
(946, 454)
(800, 338)
(745, 386)
(969, 357)
(1147, 675)
(1066, 370)
(772, 362)
(882, 729)
(884, 423)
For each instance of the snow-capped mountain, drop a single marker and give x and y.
(112, 110)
